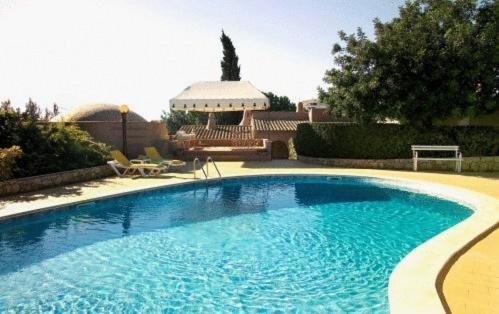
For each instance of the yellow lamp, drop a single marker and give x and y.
(124, 109)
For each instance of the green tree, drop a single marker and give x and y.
(437, 59)
(280, 103)
(32, 111)
(175, 119)
(230, 67)
(6, 105)
(230, 72)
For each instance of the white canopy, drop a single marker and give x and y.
(214, 96)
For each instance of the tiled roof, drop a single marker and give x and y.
(277, 125)
(223, 132)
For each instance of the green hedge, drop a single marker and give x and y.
(389, 141)
(47, 147)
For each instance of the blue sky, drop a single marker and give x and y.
(145, 52)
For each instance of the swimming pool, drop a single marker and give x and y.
(288, 243)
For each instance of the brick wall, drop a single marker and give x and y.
(139, 135)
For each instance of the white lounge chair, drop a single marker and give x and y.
(155, 158)
(131, 166)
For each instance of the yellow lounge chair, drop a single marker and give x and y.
(156, 158)
(121, 162)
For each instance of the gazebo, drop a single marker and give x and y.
(220, 96)
(227, 142)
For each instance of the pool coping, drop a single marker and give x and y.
(423, 268)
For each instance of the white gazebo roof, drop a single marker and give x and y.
(214, 96)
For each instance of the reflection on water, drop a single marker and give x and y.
(323, 193)
(40, 236)
(295, 244)
(34, 238)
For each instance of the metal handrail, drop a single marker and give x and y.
(200, 166)
(207, 172)
(208, 159)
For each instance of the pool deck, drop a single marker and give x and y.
(456, 271)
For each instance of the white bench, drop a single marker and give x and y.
(458, 156)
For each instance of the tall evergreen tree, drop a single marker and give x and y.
(230, 72)
(230, 67)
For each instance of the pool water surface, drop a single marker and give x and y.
(256, 244)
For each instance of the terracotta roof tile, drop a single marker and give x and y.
(276, 125)
(223, 132)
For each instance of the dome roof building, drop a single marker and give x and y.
(98, 112)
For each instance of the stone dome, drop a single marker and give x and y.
(99, 112)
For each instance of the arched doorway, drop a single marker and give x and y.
(279, 150)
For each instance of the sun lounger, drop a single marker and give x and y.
(153, 154)
(131, 166)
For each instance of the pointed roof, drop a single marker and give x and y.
(214, 96)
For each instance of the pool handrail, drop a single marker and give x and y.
(201, 166)
(208, 160)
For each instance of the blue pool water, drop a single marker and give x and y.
(259, 244)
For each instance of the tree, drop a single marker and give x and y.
(230, 72)
(437, 59)
(230, 67)
(280, 103)
(175, 119)
(32, 111)
(55, 110)
(6, 105)
(49, 114)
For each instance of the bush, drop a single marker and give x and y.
(175, 119)
(48, 147)
(8, 158)
(389, 141)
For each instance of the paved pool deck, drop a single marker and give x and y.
(456, 271)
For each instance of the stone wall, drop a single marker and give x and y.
(29, 184)
(469, 164)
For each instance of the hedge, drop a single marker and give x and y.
(389, 141)
(45, 147)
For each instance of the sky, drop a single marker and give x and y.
(142, 53)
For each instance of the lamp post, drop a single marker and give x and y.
(124, 112)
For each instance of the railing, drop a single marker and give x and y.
(208, 160)
(205, 173)
(196, 160)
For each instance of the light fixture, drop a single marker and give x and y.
(124, 109)
(124, 112)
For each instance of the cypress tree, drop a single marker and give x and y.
(230, 72)
(230, 68)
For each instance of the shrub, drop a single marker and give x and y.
(389, 141)
(48, 147)
(8, 158)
